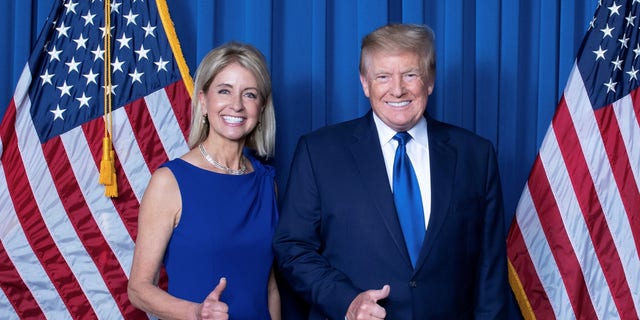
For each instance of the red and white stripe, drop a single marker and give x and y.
(574, 243)
(65, 248)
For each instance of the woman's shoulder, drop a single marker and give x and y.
(174, 163)
(260, 165)
(186, 162)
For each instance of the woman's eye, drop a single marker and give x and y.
(251, 95)
(223, 91)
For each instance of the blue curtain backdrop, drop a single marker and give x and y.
(501, 68)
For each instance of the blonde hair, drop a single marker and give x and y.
(262, 138)
(414, 38)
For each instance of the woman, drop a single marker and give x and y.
(209, 216)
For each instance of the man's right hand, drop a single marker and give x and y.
(365, 305)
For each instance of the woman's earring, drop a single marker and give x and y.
(205, 119)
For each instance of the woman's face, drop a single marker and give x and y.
(232, 103)
(396, 88)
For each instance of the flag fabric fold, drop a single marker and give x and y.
(66, 248)
(573, 246)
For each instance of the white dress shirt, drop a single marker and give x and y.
(418, 151)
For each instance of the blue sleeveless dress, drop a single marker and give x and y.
(225, 230)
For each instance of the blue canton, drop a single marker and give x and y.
(67, 88)
(613, 51)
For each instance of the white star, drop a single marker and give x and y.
(624, 41)
(115, 7)
(124, 41)
(54, 54)
(70, 7)
(611, 86)
(88, 18)
(607, 31)
(46, 77)
(637, 49)
(148, 30)
(136, 76)
(65, 89)
(162, 65)
(614, 9)
(131, 18)
(91, 77)
(617, 63)
(98, 54)
(62, 30)
(142, 52)
(84, 100)
(73, 65)
(117, 65)
(81, 42)
(104, 30)
(633, 74)
(57, 113)
(599, 53)
(634, 1)
(630, 19)
(113, 88)
(592, 24)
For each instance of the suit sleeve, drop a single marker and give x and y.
(298, 242)
(493, 291)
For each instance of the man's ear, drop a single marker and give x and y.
(365, 85)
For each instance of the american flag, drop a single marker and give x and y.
(574, 242)
(66, 248)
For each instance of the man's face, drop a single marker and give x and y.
(397, 88)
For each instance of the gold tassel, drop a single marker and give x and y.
(111, 190)
(106, 164)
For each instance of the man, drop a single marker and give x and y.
(344, 242)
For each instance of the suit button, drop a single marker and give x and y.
(413, 284)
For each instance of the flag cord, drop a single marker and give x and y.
(107, 164)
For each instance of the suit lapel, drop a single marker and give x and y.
(442, 157)
(368, 156)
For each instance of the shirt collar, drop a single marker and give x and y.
(418, 132)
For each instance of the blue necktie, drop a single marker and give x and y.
(406, 194)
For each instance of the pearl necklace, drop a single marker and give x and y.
(213, 162)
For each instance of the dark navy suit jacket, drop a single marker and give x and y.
(339, 233)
